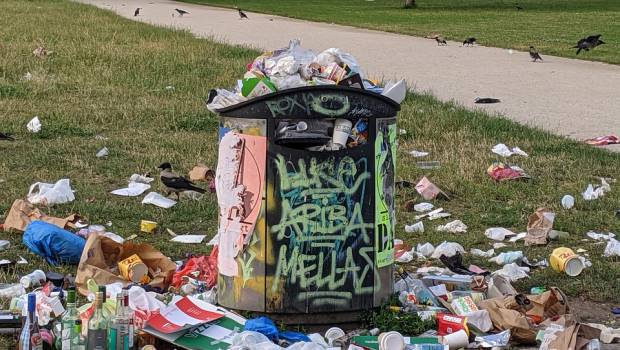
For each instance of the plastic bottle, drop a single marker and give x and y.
(34, 279)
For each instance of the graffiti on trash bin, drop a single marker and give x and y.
(331, 105)
(323, 238)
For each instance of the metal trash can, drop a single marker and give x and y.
(313, 231)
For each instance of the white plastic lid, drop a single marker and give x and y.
(573, 266)
(392, 341)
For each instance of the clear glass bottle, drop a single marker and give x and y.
(97, 326)
(30, 338)
(67, 321)
(118, 327)
(77, 341)
(130, 318)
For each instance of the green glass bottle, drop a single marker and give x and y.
(77, 341)
(67, 321)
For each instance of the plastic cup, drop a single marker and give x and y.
(342, 130)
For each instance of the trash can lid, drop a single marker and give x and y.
(322, 101)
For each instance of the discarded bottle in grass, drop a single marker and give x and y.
(68, 321)
(433, 164)
(97, 325)
(556, 235)
(11, 290)
(33, 279)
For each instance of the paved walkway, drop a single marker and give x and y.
(579, 99)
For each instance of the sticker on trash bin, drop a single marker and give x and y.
(385, 162)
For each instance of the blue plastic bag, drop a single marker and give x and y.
(262, 325)
(56, 245)
(293, 337)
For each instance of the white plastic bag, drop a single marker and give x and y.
(612, 248)
(456, 226)
(158, 200)
(417, 227)
(498, 233)
(34, 125)
(425, 249)
(513, 272)
(477, 252)
(50, 194)
(448, 249)
(507, 257)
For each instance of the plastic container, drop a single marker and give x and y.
(12, 290)
(34, 279)
(565, 260)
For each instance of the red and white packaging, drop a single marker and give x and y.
(448, 324)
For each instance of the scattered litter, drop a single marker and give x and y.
(580, 251)
(477, 252)
(148, 226)
(448, 249)
(425, 250)
(191, 239)
(423, 207)
(593, 192)
(538, 226)
(417, 227)
(499, 245)
(498, 233)
(519, 236)
(145, 179)
(565, 260)
(603, 140)
(501, 172)
(486, 100)
(4, 245)
(34, 125)
(50, 194)
(23, 213)
(612, 248)
(104, 152)
(418, 154)
(504, 151)
(600, 236)
(568, 201)
(555, 235)
(41, 52)
(429, 190)
(133, 189)
(435, 214)
(513, 272)
(456, 226)
(158, 200)
(27, 76)
(507, 257)
(53, 243)
(433, 164)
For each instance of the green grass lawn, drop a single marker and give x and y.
(107, 77)
(553, 26)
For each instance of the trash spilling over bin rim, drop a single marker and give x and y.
(380, 106)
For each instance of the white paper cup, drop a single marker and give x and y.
(333, 334)
(456, 340)
(391, 341)
(342, 130)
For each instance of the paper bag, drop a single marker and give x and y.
(201, 173)
(22, 213)
(538, 226)
(101, 256)
(565, 333)
(507, 313)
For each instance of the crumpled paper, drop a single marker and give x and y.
(34, 125)
(456, 226)
(504, 151)
(538, 226)
(158, 200)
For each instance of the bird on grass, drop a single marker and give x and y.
(6, 137)
(242, 15)
(440, 41)
(469, 41)
(181, 12)
(534, 54)
(588, 43)
(137, 11)
(174, 183)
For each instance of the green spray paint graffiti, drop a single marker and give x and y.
(324, 235)
(385, 166)
(330, 105)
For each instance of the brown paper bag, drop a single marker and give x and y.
(101, 256)
(22, 213)
(538, 226)
(572, 336)
(505, 313)
(201, 173)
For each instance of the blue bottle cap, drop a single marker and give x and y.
(32, 302)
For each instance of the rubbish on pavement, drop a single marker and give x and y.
(477, 252)
(433, 164)
(423, 207)
(612, 248)
(429, 190)
(564, 332)
(147, 226)
(498, 233)
(486, 100)
(448, 249)
(54, 244)
(507, 257)
(104, 152)
(456, 226)
(95, 263)
(23, 213)
(50, 194)
(603, 140)
(594, 192)
(34, 125)
(158, 200)
(504, 151)
(190, 239)
(565, 260)
(417, 227)
(418, 154)
(568, 201)
(501, 172)
(538, 226)
(133, 189)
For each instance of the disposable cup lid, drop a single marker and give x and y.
(334, 333)
(573, 266)
(392, 341)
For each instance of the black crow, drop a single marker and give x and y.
(174, 183)
(441, 41)
(137, 12)
(469, 41)
(181, 12)
(242, 15)
(6, 137)
(534, 54)
(588, 43)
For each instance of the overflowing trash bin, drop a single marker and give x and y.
(305, 185)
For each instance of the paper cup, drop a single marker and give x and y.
(133, 269)
(456, 340)
(565, 260)
(342, 130)
(333, 334)
(391, 341)
(147, 226)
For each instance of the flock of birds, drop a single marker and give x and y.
(588, 43)
(182, 12)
